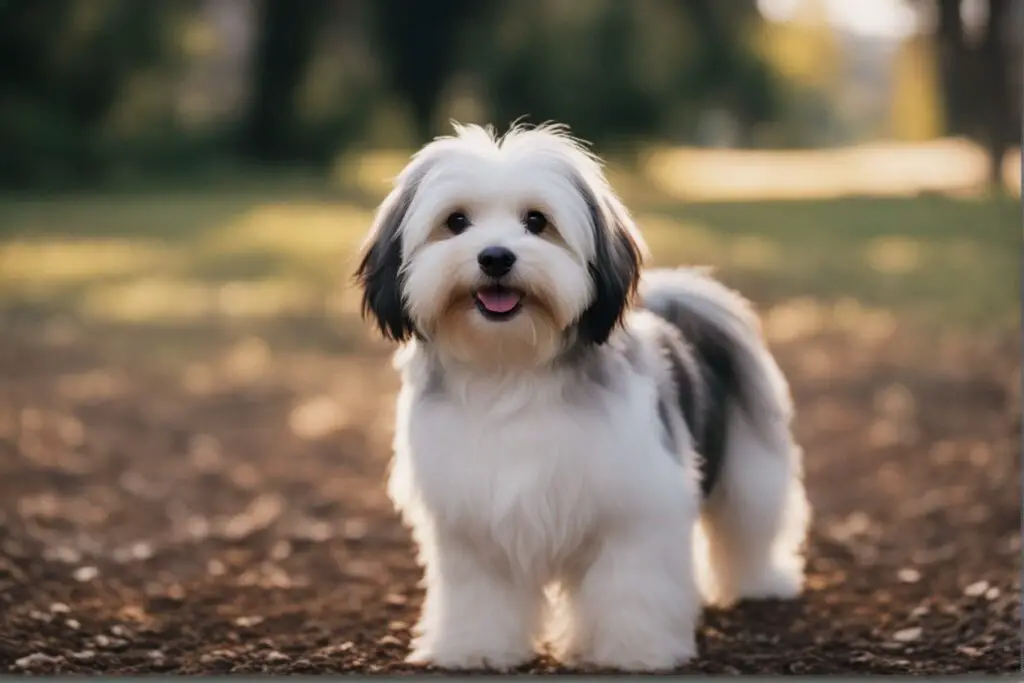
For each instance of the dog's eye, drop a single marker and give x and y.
(457, 222)
(535, 222)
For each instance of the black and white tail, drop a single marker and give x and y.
(755, 518)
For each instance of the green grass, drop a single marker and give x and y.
(176, 257)
(934, 258)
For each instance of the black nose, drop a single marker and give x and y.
(495, 261)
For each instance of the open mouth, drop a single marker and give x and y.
(497, 302)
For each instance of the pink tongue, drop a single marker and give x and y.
(498, 301)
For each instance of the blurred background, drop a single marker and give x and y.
(170, 119)
(193, 415)
(115, 90)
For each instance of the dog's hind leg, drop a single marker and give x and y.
(753, 525)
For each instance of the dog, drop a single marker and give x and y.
(586, 453)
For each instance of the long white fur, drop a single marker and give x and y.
(547, 516)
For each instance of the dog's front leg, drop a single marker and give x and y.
(636, 606)
(474, 615)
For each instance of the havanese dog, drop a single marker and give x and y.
(585, 453)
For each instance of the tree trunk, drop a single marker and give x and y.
(998, 120)
(285, 45)
(955, 67)
(420, 62)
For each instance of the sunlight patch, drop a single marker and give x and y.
(161, 299)
(755, 253)
(248, 360)
(882, 169)
(803, 317)
(266, 298)
(870, 324)
(371, 173)
(316, 418)
(795, 319)
(298, 230)
(678, 243)
(894, 255)
(148, 299)
(66, 260)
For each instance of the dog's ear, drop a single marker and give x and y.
(380, 268)
(615, 269)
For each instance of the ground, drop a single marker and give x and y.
(194, 433)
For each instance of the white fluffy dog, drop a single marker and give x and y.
(579, 468)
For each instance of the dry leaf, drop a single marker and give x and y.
(907, 635)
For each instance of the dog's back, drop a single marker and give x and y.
(722, 363)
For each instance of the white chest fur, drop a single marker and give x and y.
(528, 474)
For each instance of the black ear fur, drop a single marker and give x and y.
(380, 270)
(615, 269)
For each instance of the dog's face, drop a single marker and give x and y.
(500, 252)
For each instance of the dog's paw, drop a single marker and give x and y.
(715, 593)
(770, 583)
(469, 658)
(654, 654)
(774, 583)
(634, 661)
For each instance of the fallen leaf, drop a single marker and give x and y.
(909, 575)
(907, 635)
(36, 659)
(85, 574)
(976, 589)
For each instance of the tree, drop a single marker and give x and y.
(954, 67)
(66, 65)
(418, 63)
(286, 40)
(977, 94)
(625, 70)
(728, 72)
(1002, 126)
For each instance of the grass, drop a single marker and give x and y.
(179, 258)
(930, 258)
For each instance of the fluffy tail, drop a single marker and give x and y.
(750, 540)
(726, 335)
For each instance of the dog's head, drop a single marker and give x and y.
(500, 250)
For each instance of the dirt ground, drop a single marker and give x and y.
(221, 509)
